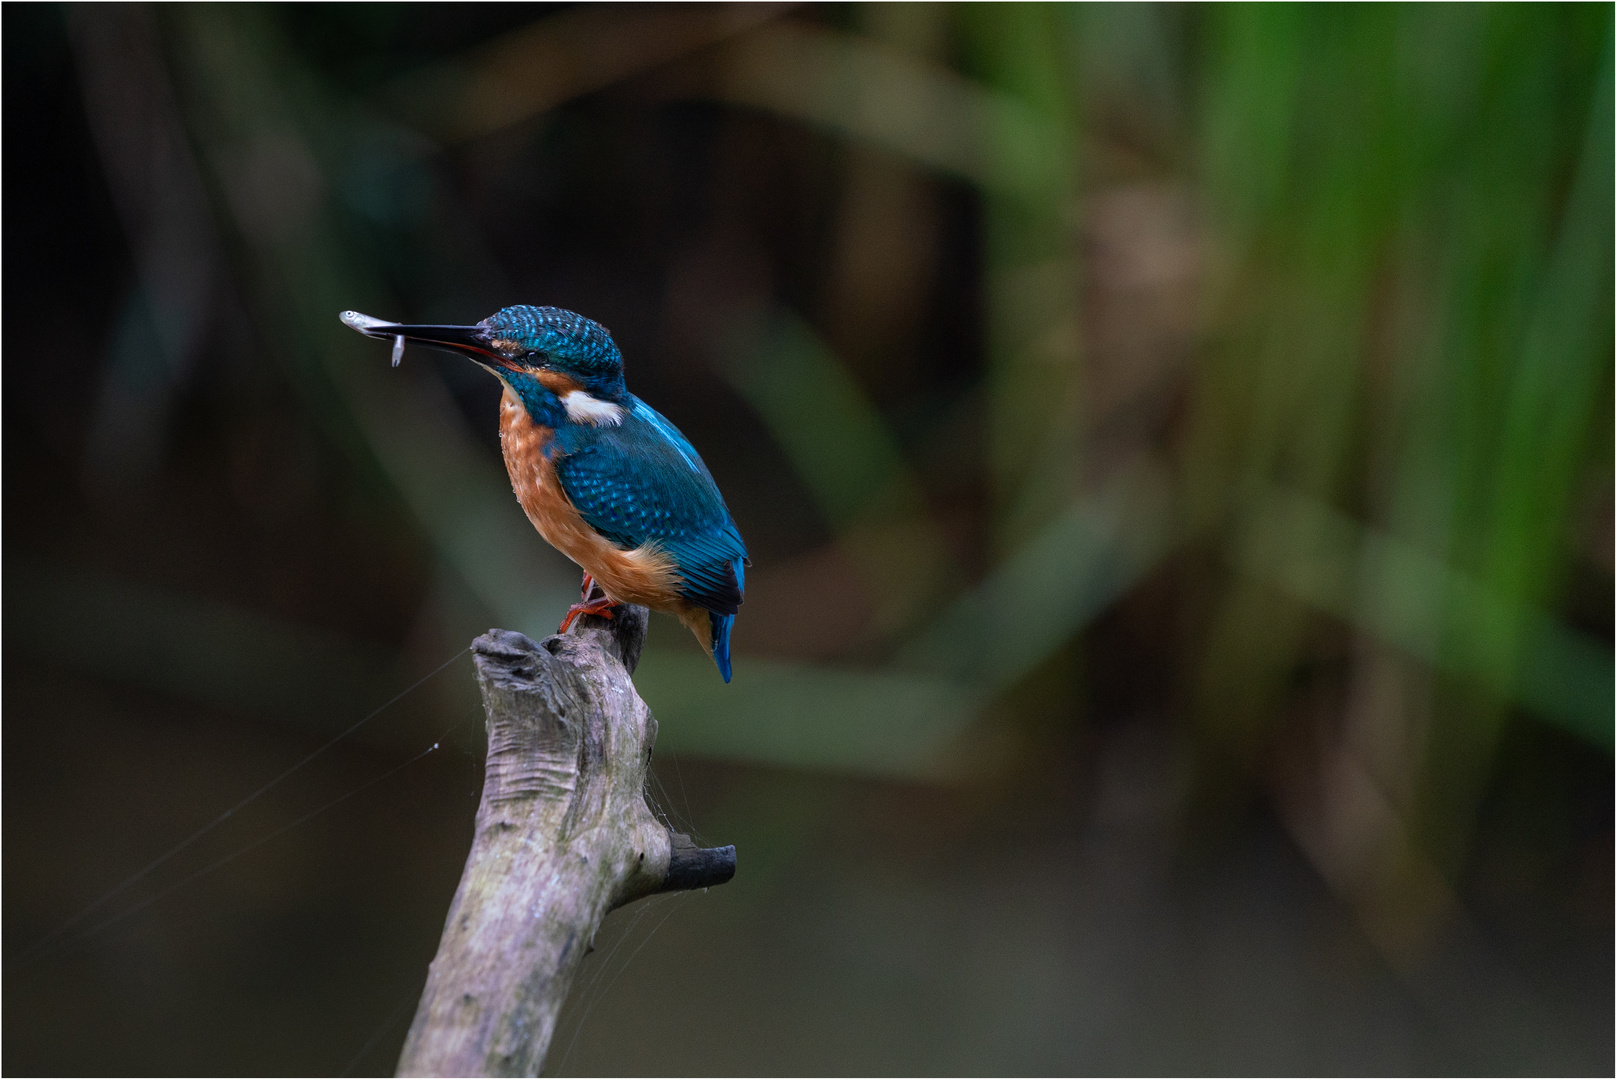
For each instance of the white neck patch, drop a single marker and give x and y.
(583, 409)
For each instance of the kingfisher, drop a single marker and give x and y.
(606, 479)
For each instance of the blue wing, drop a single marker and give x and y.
(642, 481)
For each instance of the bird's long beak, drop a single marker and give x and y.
(465, 340)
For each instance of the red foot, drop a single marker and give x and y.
(588, 586)
(602, 607)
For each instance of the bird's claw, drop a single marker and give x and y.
(602, 607)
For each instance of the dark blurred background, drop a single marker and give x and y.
(1175, 446)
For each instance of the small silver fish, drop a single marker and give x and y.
(398, 349)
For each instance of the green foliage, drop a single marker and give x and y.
(1398, 348)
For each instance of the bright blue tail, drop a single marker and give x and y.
(721, 641)
(722, 623)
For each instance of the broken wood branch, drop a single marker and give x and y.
(563, 836)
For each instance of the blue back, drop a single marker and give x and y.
(642, 481)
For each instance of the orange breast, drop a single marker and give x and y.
(643, 575)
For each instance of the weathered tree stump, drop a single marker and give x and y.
(563, 836)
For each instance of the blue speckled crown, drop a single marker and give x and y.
(570, 341)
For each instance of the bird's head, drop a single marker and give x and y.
(559, 350)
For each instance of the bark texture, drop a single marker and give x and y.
(563, 836)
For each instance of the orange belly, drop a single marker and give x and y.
(643, 575)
